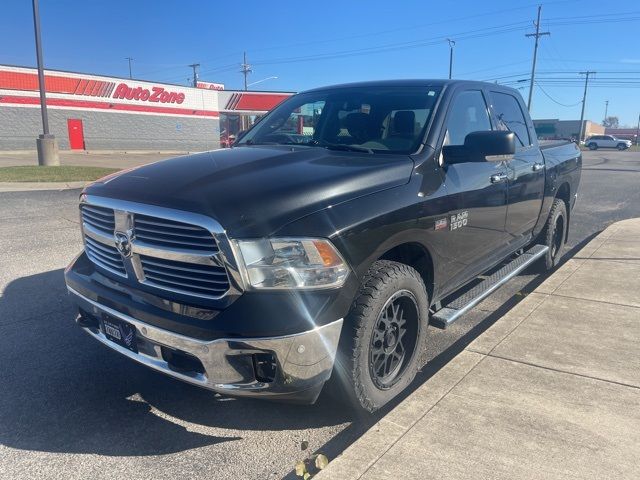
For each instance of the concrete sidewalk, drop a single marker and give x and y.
(551, 390)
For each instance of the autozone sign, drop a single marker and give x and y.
(155, 94)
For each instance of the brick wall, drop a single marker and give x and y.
(20, 126)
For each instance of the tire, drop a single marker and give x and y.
(554, 235)
(622, 146)
(364, 374)
(593, 146)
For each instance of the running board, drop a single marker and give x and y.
(450, 313)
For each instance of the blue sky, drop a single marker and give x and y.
(308, 44)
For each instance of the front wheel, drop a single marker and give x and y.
(622, 146)
(383, 345)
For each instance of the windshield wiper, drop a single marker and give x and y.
(340, 146)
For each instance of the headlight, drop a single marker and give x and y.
(291, 263)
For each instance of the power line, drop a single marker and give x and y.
(554, 100)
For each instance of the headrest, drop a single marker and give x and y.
(404, 122)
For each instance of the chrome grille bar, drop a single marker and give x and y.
(170, 250)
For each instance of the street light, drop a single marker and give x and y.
(260, 81)
(452, 44)
(46, 143)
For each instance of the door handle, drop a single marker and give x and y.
(537, 166)
(498, 177)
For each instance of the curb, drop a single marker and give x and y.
(100, 152)
(361, 456)
(39, 186)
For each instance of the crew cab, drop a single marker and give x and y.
(327, 244)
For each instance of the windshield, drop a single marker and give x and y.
(363, 119)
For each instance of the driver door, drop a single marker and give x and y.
(478, 191)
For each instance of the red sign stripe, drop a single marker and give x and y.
(81, 85)
(62, 102)
(248, 101)
(89, 87)
(29, 81)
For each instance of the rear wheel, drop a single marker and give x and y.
(593, 146)
(554, 234)
(383, 346)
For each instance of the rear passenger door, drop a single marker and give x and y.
(525, 172)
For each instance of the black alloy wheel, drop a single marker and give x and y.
(394, 339)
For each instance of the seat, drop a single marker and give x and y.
(402, 132)
(357, 124)
(404, 124)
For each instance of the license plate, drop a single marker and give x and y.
(120, 332)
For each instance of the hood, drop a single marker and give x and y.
(254, 191)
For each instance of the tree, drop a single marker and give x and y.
(611, 122)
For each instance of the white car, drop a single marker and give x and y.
(606, 141)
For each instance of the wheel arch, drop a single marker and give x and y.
(416, 256)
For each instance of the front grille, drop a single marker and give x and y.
(100, 218)
(164, 254)
(189, 278)
(161, 232)
(104, 256)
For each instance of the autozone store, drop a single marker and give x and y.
(91, 112)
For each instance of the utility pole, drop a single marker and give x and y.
(537, 36)
(245, 68)
(129, 58)
(606, 109)
(195, 67)
(638, 132)
(452, 44)
(45, 143)
(584, 101)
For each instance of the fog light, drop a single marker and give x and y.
(264, 365)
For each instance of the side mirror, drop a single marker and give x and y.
(487, 146)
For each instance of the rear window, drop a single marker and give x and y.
(510, 116)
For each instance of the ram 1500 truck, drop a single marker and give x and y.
(326, 241)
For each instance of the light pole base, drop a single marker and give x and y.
(47, 150)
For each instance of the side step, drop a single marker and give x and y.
(449, 314)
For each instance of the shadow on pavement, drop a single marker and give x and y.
(63, 392)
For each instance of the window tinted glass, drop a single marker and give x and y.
(510, 116)
(467, 114)
(382, 119)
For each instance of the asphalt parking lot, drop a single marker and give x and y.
(70, 408)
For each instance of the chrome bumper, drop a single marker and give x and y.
(304, 361)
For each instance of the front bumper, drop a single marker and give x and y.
(303, 361)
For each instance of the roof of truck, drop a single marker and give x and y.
(407, 83)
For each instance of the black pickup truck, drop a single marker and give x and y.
(325, 242)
